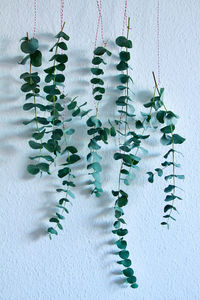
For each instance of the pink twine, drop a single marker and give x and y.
(100, 19)
(125, 17)
(158, 40)
(96, 36)
(35, 18)
(123, 29)
(61, 13)
(62, 3)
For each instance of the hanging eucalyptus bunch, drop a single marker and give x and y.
(127, 154)
(53, 116)
(96, 129)
(56, 132)
(32, 89)
(168, 119)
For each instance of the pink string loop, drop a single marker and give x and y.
(61, 13)
(100, 20)
(35, 18)
(96, 36)
(125, 16)
(158, 40)
(62, 3)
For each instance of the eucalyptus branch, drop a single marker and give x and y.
(128, 160)
(168, 138)
(97, 131)
(31, 88)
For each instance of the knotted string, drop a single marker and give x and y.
(125, 17)
(125, 24)
(61, 13)
(35, 18)
(158, 40)
(100, 21)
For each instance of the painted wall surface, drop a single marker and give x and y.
(79, 263)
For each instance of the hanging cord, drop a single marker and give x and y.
(61, 13)
(96, 36)
(62, 4)
(158, 40)
(35, 18)
(100, 21)
(99, 7)
(125, 16)
(125, 25)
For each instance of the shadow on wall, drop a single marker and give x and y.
(9, 95)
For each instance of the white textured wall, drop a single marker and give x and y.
(79, 264)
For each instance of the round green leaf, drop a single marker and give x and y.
(29, 46)
(33, 169)
(128, 272)
(36, 58)
(124, 254)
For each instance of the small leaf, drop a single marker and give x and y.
(33, 169)
(134, 286)
(97, 81)
(54, 220)
(112, 131)
(52, 230)
(170, 198)
(122, 66)
(124, 56)
(138, 124)
(63, 172)
(72, 105)
(124, 78)
(177, 139)
(131, 279)
(124, 254)
(60, 67)
(36, 58)
(99, 51)
(166, 139)
(63, 35)
(122, 41)
(97, 71)
(122, 232)
(126, 263)
(59, 226)
(121, 244)
(38, 135)
(71, 149)
(115, 193)
(29, 46)
(62, 46)
(60, 216)
(168, 129)
(76, 112)
(128, 272)
(122, 201)
(73, 158)
(169, 207)
(169, 188)
(97, 61)
(43, 167)
(160, 116)
(35, 145)
(24, 60)
(159, 171)
(151, 177)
